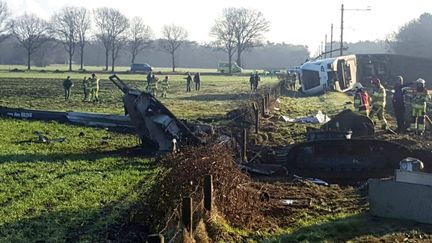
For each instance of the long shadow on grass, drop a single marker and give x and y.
(345, 229)
(84, 224)
(62, 157)
(218, 97)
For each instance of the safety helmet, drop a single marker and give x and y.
(421, 82)
(376, 81)
(358, 86)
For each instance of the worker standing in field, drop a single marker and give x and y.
(398, 102)
(257, 79)
(418, 107)
(252, 81)
(153, 85)
(164, 86)
(86, 88)
(197, 81)
(361, 100)
(188, 82)
(94, 88)
(67, 86)
(149, 79)
(293, 81)
(378, 102)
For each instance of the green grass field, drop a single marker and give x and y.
(82, 189)
(218, 94)
(71, 190)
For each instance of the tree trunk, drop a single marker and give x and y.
(82, 57)
(28, 60)
(173, 61)
(106, 58)
(230, 62)
(113, 59)
(239, 58)
(133, 58)
(70, 61)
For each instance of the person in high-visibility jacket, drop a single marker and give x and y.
(152, 87)
(164, 86)
(378, 102)
(361, 100)
(86, 89)
(419, 98)
(94, 88)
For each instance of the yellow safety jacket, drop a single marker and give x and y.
(379, 97)
(153, 85)
(419, 99)
(164, 83)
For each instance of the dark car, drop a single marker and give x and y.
(141, 67)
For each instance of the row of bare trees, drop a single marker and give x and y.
(236, 31)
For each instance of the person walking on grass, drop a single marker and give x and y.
(164, 86)
(252, 81)
(86, 89)
(94, 90)
(188, 82)
(67, 86)
(378, 102)
(197, 81)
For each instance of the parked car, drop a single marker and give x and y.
(141, 67)
(223, 67)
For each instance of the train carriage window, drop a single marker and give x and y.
(310, 79)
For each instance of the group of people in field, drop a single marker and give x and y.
(375, 105)
(90, 86)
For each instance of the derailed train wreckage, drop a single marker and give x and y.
(343, 149)
(341, 73)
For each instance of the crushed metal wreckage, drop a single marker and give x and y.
(343, 150)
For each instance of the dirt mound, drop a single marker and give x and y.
(183, 177)
(241, 201)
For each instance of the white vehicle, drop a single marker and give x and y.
(338, 73)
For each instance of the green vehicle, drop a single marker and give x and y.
(223, 67)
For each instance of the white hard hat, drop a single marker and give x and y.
(420, 81)
(358, 86)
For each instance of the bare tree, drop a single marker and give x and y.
(249, 27)
(223, 31)
(64, 28)
(83, 25)
(31, 32)
(173, 38)
(140, 36)
(112, 25)
(4, 15)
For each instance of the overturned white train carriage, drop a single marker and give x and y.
(341, 73)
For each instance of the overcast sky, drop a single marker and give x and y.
(299, 22)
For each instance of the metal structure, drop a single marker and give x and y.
(157, 127)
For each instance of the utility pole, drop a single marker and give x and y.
(341, 37)
(331, 41)
(342, 22)
(322, 49)
(325, 46)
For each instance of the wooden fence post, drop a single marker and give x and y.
(256, 113)
(155, 238)
(267, 101)
(208, 192)
(187, 213)
(264, 106)
(244, 145)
